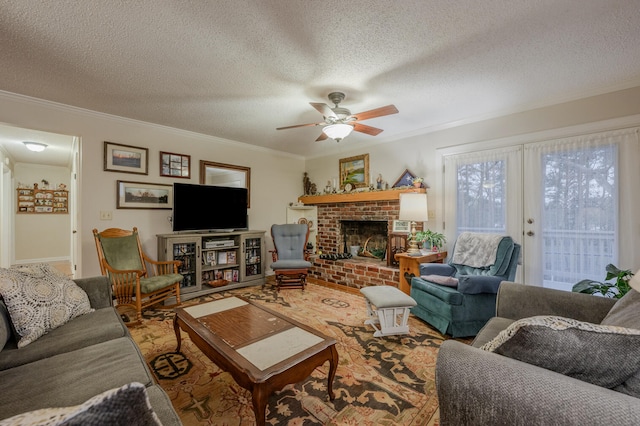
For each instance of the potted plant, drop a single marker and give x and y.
(431, 240)
(615, 289)
(417, 181)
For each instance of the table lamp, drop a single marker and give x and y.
(413, 207)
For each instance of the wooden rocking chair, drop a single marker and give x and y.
(135, 285)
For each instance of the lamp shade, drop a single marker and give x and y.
(413, 207)
(35, 146)
(338, 131)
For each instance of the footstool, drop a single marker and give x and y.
(391, 311)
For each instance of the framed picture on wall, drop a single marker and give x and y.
(354, 171)
(175, 165)
(126, 158)
(143, 195)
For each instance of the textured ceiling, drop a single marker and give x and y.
(239, 69)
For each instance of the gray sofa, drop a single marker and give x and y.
(477, 387)
(84, 357)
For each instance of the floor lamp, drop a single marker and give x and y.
(413, 207)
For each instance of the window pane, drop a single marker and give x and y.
(580, 211)
(481, 198)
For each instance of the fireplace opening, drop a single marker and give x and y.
(364, 238)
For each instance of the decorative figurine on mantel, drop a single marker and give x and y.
(328, 189)
(306, 184)
(309, 187)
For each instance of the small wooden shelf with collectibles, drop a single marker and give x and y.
(34, 200)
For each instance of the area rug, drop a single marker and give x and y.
(379, 381)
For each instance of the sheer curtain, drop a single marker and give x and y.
(483, 192)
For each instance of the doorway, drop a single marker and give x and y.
(38, 237)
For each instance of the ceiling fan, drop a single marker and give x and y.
(339, 122)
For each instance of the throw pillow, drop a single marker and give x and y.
(606, 356)
(441, 279)
(626, 311)
(39, 298)
(128, 405)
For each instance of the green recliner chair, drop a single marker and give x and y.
(459, 297)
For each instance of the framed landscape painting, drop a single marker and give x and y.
(142, 195)
(126, 158)
(354, 171)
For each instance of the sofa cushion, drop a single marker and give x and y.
(128, 404)
(151, 284)
(478, 284)
(626, 311)
(491, 329)
(39, 299)
(5, 325)
(85, 330)
(71, 378)
(162, 406)
(602, 355)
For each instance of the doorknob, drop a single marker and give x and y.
(530, 233)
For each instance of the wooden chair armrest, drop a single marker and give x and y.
(122, 272)
(162, 267)
(274, 255)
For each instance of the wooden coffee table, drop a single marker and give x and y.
(262, 350)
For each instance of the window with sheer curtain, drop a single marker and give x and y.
(569, 201)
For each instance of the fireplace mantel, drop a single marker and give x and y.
(354, 197)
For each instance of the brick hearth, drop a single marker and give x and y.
(356, 272)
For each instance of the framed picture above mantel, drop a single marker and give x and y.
(354, 172)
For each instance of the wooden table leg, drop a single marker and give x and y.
(333, 367)
(260, 397)
(176, 328)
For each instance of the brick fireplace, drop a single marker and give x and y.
(370, 212)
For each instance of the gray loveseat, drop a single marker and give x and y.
(84, 357)
(477, 387)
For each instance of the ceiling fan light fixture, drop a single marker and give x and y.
(35, 146)
(338, 131)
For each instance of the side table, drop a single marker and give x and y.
(410, 266)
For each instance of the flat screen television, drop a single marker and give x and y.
(209, 208)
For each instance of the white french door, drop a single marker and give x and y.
(561, 199)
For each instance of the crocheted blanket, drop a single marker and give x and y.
(476, 250)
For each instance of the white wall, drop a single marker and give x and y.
(420, 153)
(42, 237)
(276, 178)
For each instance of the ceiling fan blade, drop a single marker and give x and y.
(322, 137)
(324, 109)
(363, 128)
(300, 125)
(378, 112)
